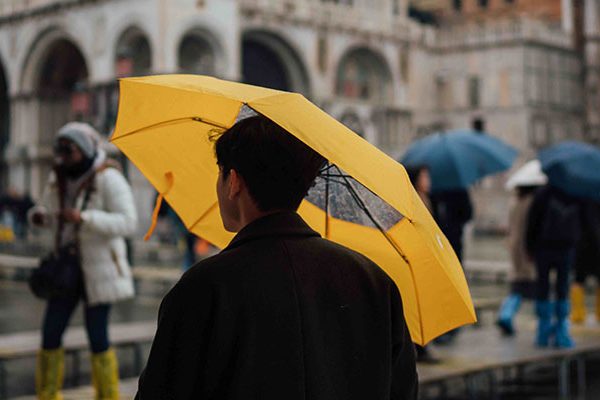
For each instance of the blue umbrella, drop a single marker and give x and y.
(457, 159)
(573, 167)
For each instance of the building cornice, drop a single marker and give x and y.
(17, 10)
(326, 17)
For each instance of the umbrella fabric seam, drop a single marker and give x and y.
(447, 275)
(404, 213)
(412, 275)
(204, 214)
(141, 81)
(168, 122)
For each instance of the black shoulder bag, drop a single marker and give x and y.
(59, 274)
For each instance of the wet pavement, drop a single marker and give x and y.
(20, 311)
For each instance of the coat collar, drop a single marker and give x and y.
(287, 223)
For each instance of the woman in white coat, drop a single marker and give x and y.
(89, 205)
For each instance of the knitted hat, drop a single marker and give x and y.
(83, 135)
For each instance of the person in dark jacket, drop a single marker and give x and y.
(280, 313)
(421, 181)
(553, 229)
(587, 261)
(452, 209)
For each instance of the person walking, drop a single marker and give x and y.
(553, 229)
(523, 274)
(452, 209)
(280, 313)
(587, 261)
(421, 181)
(89, 204)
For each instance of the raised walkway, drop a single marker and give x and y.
(480, 364)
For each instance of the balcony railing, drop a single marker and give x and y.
(501, 31)
(363, 15)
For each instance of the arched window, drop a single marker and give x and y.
(364, 75)
(268, 60)
(133, 54)
(196, 55)
(61, 88)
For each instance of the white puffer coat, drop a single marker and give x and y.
(109, 216)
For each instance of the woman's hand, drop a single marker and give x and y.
(71, 215)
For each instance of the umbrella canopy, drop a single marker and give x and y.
(573, 167)
(164, 127)
(530, 174)
(457, 159)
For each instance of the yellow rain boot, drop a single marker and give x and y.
(105, 375)
(49, 374)
(598, 304)
(577, 304)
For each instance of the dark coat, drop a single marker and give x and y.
(452, 209)
(588, 247)
(281, 314)
(541, 234)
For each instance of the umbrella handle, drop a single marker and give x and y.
(159, 200)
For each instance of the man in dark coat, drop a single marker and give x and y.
(452, 209)
(280, 313)
(553, 230)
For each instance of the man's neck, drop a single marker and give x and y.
(250, 215)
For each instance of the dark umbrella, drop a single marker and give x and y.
(457, 159)
(573, 167)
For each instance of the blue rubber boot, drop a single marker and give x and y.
(544, 310)
(508, 309)
(563, 339)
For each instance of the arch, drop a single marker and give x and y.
(133, 53)
(38, 52)
(57, 75)
(4, 127)
(364, 74)
(269, 60)
(199, 52)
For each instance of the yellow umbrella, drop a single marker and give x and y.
(165, 125)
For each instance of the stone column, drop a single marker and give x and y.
(592, 69)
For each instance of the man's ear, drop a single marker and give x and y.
(235, 184)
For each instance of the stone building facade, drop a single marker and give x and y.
(509, 65)
(59, 60)
(511, 68)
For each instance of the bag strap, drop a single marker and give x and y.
(88, 186)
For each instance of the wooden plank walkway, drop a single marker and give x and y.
(476, 353)
(485, 352)
(18, 266)
(127, 390)
(26, 344)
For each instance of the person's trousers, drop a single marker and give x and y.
(57, 316)
(546, 260)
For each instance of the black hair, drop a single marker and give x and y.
(278, 169)
(523, 191)
(414, 172)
